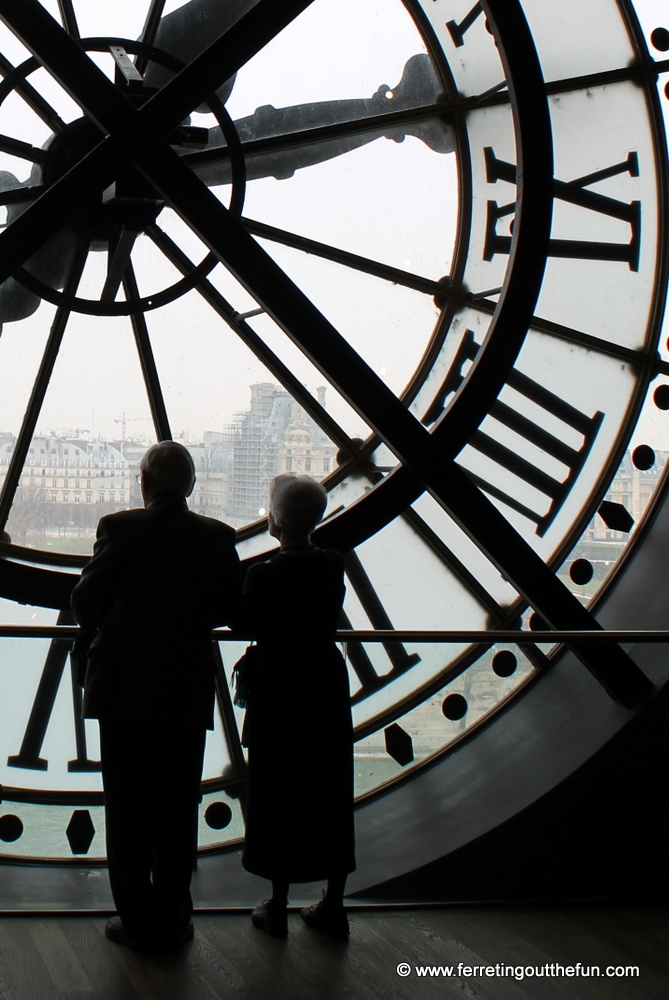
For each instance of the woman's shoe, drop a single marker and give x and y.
(329, 919)
(271, 918)
(115, 932)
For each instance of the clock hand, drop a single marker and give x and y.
(185, 34)
(279, 141)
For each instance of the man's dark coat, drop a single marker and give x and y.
(154, 595)
(154, 598)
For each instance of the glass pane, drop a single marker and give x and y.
(479, 690)
(155, 267)
(388, 325)
(437, 390)
(577, 25)
(469, 47)
(39, 832)
(500, 594)
(335, 57)
(310, 376)
(78, 468)
(582, 416)
(653, 423)
(354, 486)
(391, 198)
(18, 120)
(437, 603)
(10, 45)
(241, 431)
(421, 592)
(380, 211)
(57, 97)
(601, 544)
(605, 129)
(27, 764)
(217, 761)
(21, 350)
(489, 129)
(124, 18)
(258, 544)
(24, 662)
(219, 808)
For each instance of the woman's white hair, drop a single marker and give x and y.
(297, 502)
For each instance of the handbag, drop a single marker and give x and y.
(242, 677)
(79, 654)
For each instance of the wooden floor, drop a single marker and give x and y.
(46, 958)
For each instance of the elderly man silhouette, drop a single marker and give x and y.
(160, 578)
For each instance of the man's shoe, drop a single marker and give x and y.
(114, 931)
(329, 919)
(271, 918)
(187, 934)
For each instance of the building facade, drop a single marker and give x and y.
(69, 482)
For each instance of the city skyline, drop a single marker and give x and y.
(67, 483)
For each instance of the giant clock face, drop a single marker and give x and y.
(459, 231)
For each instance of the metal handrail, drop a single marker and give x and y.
(488, 637)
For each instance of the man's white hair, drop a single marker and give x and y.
(297, 502)
(170, 467)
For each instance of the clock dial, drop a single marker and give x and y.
(465, 254)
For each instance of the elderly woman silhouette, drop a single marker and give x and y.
(298, 726)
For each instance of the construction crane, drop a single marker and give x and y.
(124, 421)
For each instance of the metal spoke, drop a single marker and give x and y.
(640, 359)
(16, 196)
(448, 558)
(379, 270)
(40, 387)
(118, 260)
(147, 361)
(43, 703)
(34, 99)
(68, 17)
(24, 150)
(232, 733)
(438, 547)
(153, 16)
(247, 334)
(605, 78)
